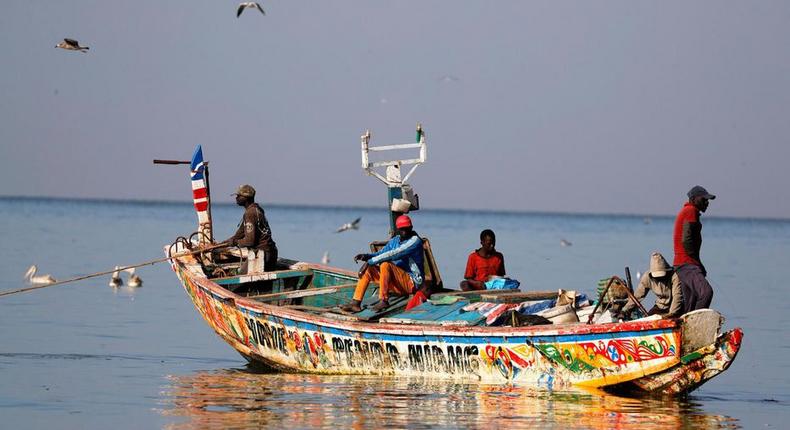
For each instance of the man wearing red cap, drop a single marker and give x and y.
(397, 268)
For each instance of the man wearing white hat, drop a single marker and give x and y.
(665, 284)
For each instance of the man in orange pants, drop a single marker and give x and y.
(397, 268)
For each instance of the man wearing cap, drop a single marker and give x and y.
(665, 283)
(254, 233)
(687, 238)
(397, 268)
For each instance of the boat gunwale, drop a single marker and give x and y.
(374, 327)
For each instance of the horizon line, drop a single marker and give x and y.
(362, 207)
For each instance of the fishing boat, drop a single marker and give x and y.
(289, 320)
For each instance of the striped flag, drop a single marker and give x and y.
(200, 195)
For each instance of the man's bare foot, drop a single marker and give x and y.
(353, 306)
(384, 304)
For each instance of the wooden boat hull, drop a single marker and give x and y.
(695, 368)
(645, 354)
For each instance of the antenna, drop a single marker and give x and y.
(400, 197)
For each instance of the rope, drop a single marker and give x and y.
(107, 272)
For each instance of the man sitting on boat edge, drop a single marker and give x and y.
(254, 234)
(397, 268)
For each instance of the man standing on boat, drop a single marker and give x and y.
(687, 237)
(254, 233)
(397, 268)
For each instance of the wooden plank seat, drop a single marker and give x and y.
(309, 292)
(513, 296)
(429, 313)
(472, 296)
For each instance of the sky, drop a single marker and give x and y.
(567, 106)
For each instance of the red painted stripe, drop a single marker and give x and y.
(201, 206)
(199, 193)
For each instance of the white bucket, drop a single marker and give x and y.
(560, 314)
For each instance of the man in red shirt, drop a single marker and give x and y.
(483, 263)
(687, 238)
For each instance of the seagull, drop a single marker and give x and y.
(115, 279)
(134, 280)
(71, 45)
(564, 242)
(448, 78)
(325, 258)
(31, 278)
(248, 4)
(353, 225)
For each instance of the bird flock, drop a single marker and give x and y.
(74, 45)
(134, 280)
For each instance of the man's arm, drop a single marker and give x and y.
(233, 240)
(405, 248)
(639, 294)
(501, 269)
(692, 239)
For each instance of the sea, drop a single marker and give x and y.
(86, 355)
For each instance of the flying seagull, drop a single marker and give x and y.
(353, 225)
(248, 4)
(325, 258)
(71, 45)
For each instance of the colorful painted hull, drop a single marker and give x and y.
(599, 355)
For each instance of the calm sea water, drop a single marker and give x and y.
(85, 355)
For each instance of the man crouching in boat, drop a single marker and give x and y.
(665, 283)
(254, 233)
(397, 268)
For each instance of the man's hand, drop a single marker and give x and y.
(363, 269)
(363, 257)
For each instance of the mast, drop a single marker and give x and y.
(400, 195)
(201, 196)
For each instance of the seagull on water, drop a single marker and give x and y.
(248, 4)
(564, 242)
(115, 278)
(353, 225)
(71, 45)
(134, 280)
(31, 278)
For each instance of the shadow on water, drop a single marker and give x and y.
(251, 398)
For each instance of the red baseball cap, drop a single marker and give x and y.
(403, 221)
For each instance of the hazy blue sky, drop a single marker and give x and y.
(584, 106)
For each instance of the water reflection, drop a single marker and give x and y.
(244, 398)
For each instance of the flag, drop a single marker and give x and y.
(199, 190)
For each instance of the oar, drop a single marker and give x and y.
(107, 272)
(600, 298)
(631, 292)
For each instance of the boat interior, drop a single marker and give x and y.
(320, 290)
